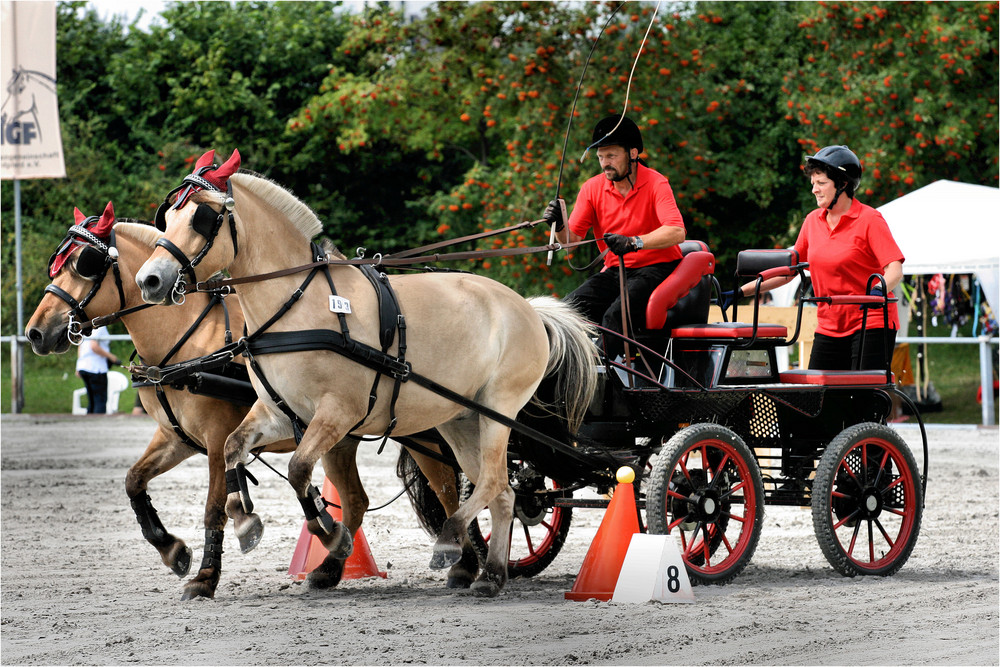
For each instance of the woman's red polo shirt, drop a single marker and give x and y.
(840, 261)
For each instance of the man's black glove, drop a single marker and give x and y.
(876, 291)
(553, 215)
(619, 244)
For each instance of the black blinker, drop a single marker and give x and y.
(91, 263)
(204, 220)
(160, 220)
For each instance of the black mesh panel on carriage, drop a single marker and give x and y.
(675, 407)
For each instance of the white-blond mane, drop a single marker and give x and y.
(145, 234)
(290, 206)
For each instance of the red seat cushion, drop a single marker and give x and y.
(834, 378)
(731, 330)
(681, 281)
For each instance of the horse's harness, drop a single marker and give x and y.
(95, 259)
(206, 221)
(231, 383)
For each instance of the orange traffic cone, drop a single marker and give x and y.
(603, 563)
(310, 552)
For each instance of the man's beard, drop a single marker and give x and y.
(616, 176)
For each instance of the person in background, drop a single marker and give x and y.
(632, 212)
(844, 242)
(93, 360)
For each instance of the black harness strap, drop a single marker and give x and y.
(298, 425)
(390, 320)
(325, 339)
(161, 395)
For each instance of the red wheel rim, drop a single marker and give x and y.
(713, 538)
(872, 506)
(535, 540)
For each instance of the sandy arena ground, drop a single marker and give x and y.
(81, 586)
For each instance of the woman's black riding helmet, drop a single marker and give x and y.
(840, 164)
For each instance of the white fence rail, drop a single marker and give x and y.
(985, 365)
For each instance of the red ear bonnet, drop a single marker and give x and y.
(215, 177)
(98, 227)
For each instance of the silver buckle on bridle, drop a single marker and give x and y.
(74, 330)
(178, 295)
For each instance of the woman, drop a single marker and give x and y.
(845, 242)
(93, 359)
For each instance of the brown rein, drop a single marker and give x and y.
(404, 258)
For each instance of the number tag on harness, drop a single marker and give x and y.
(339, 304)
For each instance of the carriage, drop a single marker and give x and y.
(715, 431)
(518, 394)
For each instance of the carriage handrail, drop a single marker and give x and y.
(764, 275)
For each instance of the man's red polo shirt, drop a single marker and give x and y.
(840, 261)
(648, 205)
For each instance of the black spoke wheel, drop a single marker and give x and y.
(706, 488)
(540, 527)
(867, 501)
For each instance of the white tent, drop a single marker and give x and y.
(949, 227)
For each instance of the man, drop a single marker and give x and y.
(632, 211)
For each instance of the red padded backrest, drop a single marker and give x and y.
(688, 274)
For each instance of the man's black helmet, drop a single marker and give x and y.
(840, 164)
(626, 134)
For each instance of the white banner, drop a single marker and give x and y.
(30, 137)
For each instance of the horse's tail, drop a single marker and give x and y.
(572, 354)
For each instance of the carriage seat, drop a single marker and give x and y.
(758, 265)
(732, 330)
(836, 378)
(685, 296)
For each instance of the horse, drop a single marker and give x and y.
(187, 423)
(474, 352)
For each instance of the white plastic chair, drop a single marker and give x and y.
(117, 383)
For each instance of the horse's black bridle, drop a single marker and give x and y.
(95, 259)
(205, 221)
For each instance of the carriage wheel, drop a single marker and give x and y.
(539, 530)
(706, 488)
(867, 501)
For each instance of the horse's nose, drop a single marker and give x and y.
(149, 283)
(34, 335)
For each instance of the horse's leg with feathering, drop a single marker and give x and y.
(480, 445)
(164, 452)
(258, 429)
(442, 479)
(341, 468)
(323, 432)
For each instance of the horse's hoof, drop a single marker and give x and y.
(339, 542)
(488, 584)
(327, 575)
(463, 573)
(445, 556)
(197, 589)
(344, 546)
(484, 588)
(250, 533)
(181, 563)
